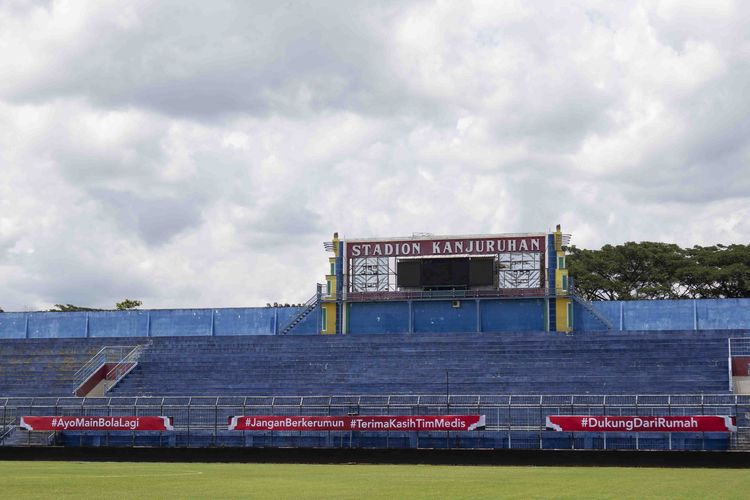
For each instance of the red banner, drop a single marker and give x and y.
(486, 245)
(599, 423)
(93, 423)
(358, 423)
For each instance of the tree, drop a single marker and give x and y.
(71, 308)
(650, 270)
(718, 271)
(128, 304)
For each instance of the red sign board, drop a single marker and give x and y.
(454, 246)
(403, 423)
(92, 423)
(599, 423)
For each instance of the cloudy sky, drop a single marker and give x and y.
(197, 154)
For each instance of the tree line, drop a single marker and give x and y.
(125, 305)
(650, 270)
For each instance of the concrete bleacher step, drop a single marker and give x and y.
(535, 363)
(20, 437)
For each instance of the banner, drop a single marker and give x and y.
(599, 423)
(358, 423)
(487, 245)
(92, 423)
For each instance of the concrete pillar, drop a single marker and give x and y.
(479, 316)
(411, 317)
(695, 314)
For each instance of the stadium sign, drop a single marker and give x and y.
(94, 423)
(403, 423)
(600, 423)
(462, 246)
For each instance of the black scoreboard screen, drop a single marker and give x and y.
(409, 273)
(446, 273)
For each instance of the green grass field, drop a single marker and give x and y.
(169, 480)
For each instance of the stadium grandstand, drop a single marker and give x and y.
(476, 341)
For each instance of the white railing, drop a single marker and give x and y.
(124, 366)
(6, 432)
(739, 346)
(202, 418)
(107, 354)
(307, 308)
(375, 400)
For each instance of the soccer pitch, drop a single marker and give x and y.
(211, 480)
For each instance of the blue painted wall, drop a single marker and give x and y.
(308, 326)
(246, 321)
(12, 325)
(512, 315)
(585, 321)
(441, 316)
(188, 322)
(118, 323)
(664, 315)
(700, 314)
(723, 314)
(379, 317)
(62, 325)
(153, 323)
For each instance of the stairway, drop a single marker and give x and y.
(106, 368)
(742, 440)
(307, 308)
(591, 309)
(20, 437)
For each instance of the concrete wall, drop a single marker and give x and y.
(379, 317)
(513, 315)
(699, 314)
(440, 316)
(153, 323)
(446, 316)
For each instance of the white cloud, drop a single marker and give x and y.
(197, 154)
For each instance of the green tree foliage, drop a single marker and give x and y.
(71, 308)
(650, 270)
(128, 304)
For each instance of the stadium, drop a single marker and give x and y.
(421, 343)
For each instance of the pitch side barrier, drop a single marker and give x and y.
(589, 422)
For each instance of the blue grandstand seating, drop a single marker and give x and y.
(521, 363)
(506, 363)
(45, 367)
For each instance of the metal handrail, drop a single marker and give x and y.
(7, 432)
(590, 308)
(106, 354)
(94, 361)
(644, 400)
(506, 293)
(124, 366)
(739, 346)
(307, 307)
(452, 293)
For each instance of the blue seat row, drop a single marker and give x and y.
(462, 363)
